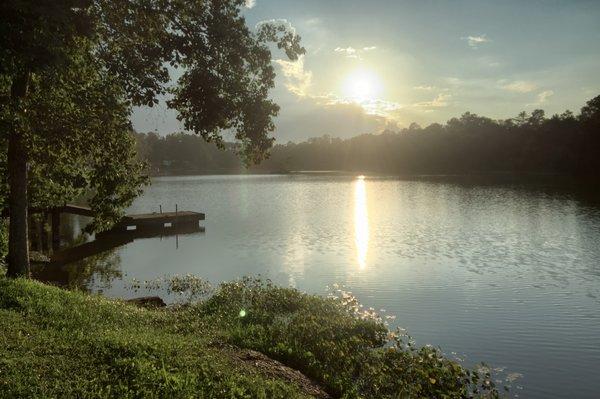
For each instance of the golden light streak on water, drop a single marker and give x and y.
(361, 221)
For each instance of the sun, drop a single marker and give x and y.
(361, 85)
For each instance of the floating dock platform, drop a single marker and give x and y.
(153, 221)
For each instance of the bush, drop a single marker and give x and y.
(331, 340)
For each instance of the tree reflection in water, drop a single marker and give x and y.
(95, 271)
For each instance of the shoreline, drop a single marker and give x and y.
(249, 338)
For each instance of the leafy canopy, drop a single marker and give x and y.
(88, 62)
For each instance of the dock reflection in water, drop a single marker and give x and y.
(97, 263)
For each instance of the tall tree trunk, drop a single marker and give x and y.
(18, 243)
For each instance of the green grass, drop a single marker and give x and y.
(57, 343)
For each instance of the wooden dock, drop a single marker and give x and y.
(156, 220)
(135, 225)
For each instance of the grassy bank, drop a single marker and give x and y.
(56, 343)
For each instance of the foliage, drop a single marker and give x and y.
(79, 140)
(330, 340)
(71, 71)
(563, 144)
(225, 68)
(89, 61)
(56, 343)
(181, 153)
(71, 344)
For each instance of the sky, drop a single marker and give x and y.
(376, 65)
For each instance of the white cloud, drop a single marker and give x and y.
(314, 116)
(454, 81)
(298, 80)
(313, 21)
(377, 107)
(352, 52)
(349, 51)
(476, 41)
(424, 88)
(440, 101)
(250, 3)
(544, 96)
(520, 86)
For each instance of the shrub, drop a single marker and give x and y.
(349, 351)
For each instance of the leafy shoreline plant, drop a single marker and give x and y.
(349, 351)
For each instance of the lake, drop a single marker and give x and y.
(507, 274)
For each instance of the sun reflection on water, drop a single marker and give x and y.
(361, 221)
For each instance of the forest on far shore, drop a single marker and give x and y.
(565, 143)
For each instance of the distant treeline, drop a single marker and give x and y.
(529, 143)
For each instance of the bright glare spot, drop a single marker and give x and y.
(242, 313)
(361, 221)
(361, 85)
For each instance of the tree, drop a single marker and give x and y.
(591, 111)
(133, 46)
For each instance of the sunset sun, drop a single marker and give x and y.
(362, 84)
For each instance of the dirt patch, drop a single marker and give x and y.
(278, 370)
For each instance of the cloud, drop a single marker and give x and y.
(440, 101)
(476, 41)
(378, 107)
(250, 3)
(309, 116)
(297, 79)
(454, 81)
(520, 86)
(349, 51)
(424, 88)
(313, 21)
(352, 52)
(544, 96)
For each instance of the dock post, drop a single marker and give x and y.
(55, 229)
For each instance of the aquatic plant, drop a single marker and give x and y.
(187, 289)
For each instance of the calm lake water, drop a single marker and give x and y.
(505, 274)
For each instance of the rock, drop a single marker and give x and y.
(148, 302)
